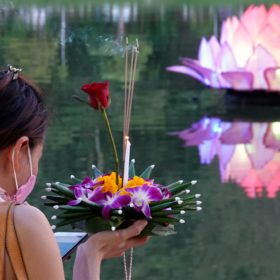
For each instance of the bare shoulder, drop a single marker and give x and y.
(26, 215)
(37, 242)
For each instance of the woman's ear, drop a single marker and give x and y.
(17, 151)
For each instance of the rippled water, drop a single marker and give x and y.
(61, 47)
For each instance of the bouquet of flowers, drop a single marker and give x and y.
(113, 200)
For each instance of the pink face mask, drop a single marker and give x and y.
(22, 191)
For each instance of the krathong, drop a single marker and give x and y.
(248, 152)
(111, 200)
(247, 56)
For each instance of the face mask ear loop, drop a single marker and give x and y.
(30, 161)
(13, 163)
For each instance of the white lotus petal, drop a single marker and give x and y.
(205, 55)
(242, 45)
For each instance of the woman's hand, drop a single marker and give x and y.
(104, 245)
(109, 244)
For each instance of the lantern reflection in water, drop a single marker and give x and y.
(248, 152)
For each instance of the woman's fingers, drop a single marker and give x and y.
(135, 242)
(133, 230)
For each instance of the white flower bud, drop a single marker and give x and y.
(133, 160)
(56, 207)
(53, 217)
(193, 182)
(48, 189)
(120, 211)
(181, 221)
(113, 228)
(48, 185)
(180, 181)
(198, 202)
(53, 227)
(182, 212)
(72, 177)
(187, 191)
(44, 197)
(177, 198)
(198, 208)
(198, 195)
(180, 202)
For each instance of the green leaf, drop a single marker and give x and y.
(63, 190)
(96, 172)
(163, 230)
(131, 170)
(162, 206)
(153, 229)
(178, 189)
(57, 198)
(147, 172)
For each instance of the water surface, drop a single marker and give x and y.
(61, 47)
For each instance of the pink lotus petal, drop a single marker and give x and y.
(271, 137)
(210, 77)
(272, 77)
(251, 182)
(254, 19)
(225, 154)
(225, 59)
(208, 150)
(228, 30)
(215, 47)
(270, 40)
(239, 80)
(273, 18)
(205, 55)
(257, 63)
(239, 165)
(238, 133)
(257, 152)
(185, 70)
(242, 45)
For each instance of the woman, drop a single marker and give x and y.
(23, 122)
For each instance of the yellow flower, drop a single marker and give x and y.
(136, 182)
(109, 184)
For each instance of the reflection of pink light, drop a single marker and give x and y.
(248, 152)
(246, 57)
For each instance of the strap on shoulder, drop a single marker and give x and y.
(13, 247)
(4, 210)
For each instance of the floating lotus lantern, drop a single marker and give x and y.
(247, 56)
(248, 153)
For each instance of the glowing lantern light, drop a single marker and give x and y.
(247, 56)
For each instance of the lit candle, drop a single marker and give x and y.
(126, 160)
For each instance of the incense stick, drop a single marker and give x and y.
(129, 88)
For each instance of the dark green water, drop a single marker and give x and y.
(63, 47)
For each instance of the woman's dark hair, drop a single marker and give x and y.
(22, 110)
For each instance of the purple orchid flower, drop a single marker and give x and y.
(95, 195)
(79, 193)
(115, 201)
(87, 183)
(88, 189)
(142, 195)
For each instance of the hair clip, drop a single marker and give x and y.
(14, 70)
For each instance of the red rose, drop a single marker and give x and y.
(98, 94)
